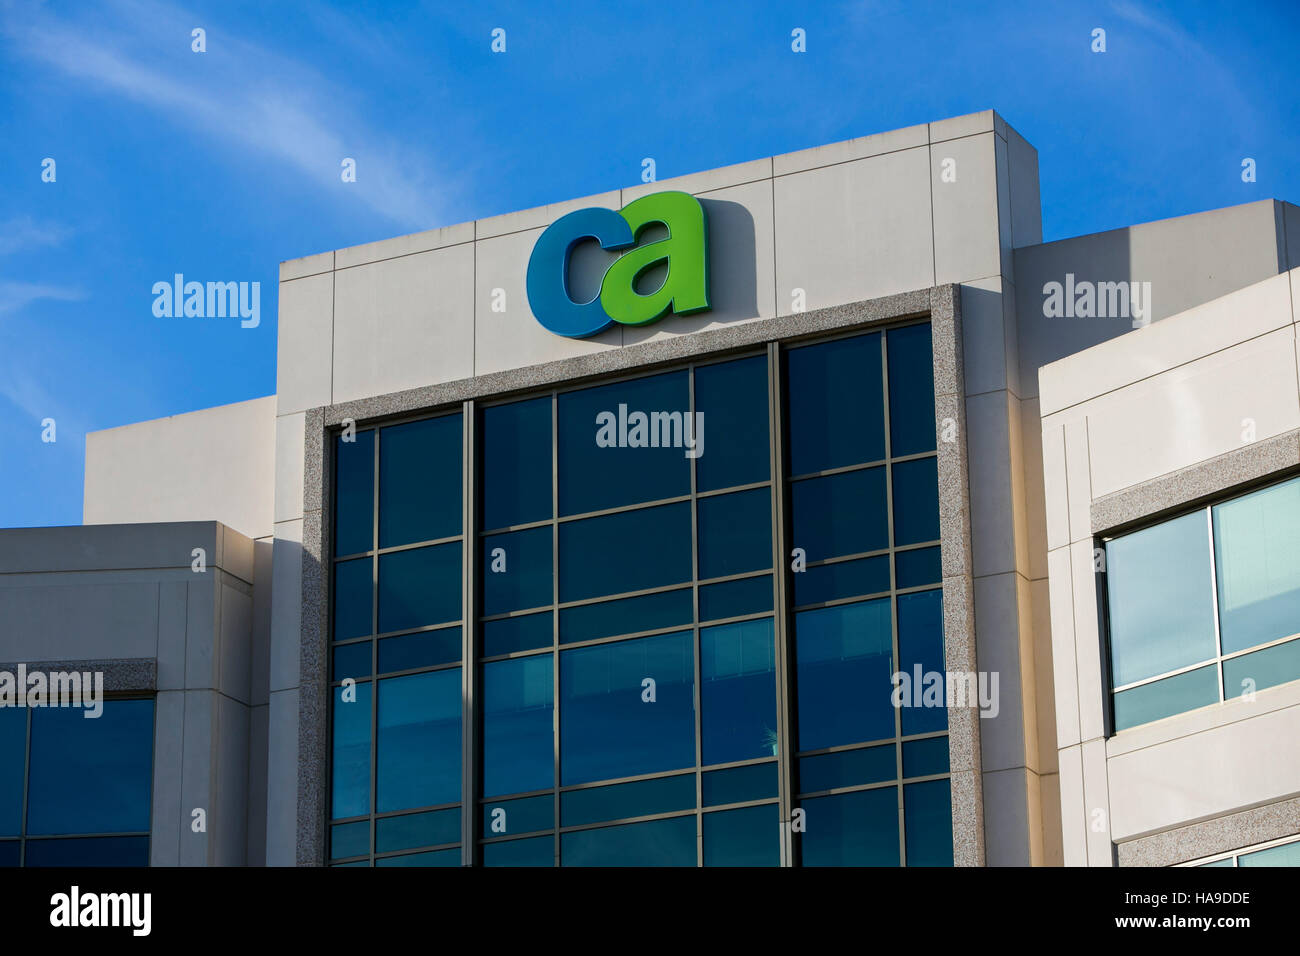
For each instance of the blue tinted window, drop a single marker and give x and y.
(852, 829)
(922, 758)
(740, 784)
(734, 598)
(1287, 854)
(434, 858)
(593, 477)
(1258, 565)
(420, 481)
(352, 660)
(668, 842)
(418, 755)
(844, 661)
(829, 582)
(353, 598)
(91, 775)
(608, 726)
(535, 851)
(746, 837)
(412, 830)
(503, 817)
(912, 569)
(350, 839)
(354, 493)
(10, 852)
(425, 649)
(835, 404)
(516, 463)
(920, 643)
(660, 539)
(927, 816)
(516, 571)
(848, 768)
(89, 851)
(840, 514)
(351, 758)
(916, 501)
(911, 391)
(589, 622)
(738, 691)
(1164, 698)
(518, 730)
(1266, 668)
(13, 750)
(735, 533)
(732, 397)
(419, 587)
(637, 799)
(512, 634)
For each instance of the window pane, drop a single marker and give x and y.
(734, 598)
(659, 537)
(350, 839)
(739, 784)
(1287, 854)
(835, 403)
(91, 775)
(638, 799)
(1158, 582)
(1266, 668)
(351, 763)
(426, 649)
(13, 755)
(609, 727)
(921, 758)
(1164, 698)
(89, 851)
(353, 597)
(593, 477)
(516, 571)
(920, 644)
(419, 587)
(668, 842)
(535, 851)
(352, 660)
(852, 829)
(528, 815)
(915, 568)
(735, 533)
(413, 830)
(738, 691)
(513, 634)
(420, 481)
(916, 501)
(927, 817)
(518, 726)
(589, 622)
(844, 660)
(1258, 564)
(848, 768)
(840, 514)
(732, 397)
(418, 757)
(435, 858)
(911, 391)
(516, 463)
(10, 851)
(747, 837)
(829, 582)
(354, 493)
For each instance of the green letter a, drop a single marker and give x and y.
(686, 250)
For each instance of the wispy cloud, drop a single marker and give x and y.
(244, 98)
(24, 232)
(14, 295)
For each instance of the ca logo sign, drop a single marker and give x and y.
(685, 250)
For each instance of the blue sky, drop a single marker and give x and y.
(222, 164)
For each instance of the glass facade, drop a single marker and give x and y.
(85, 796)
(1205, 607)
(588, 650)
(1285, 852)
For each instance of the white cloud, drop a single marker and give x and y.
(23, 232)
(15, 295)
